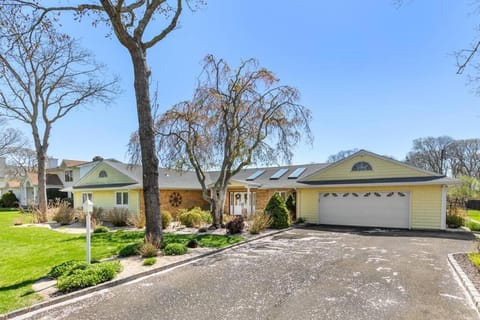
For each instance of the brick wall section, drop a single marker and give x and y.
(190, 199)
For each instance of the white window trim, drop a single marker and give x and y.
(71, 175)
(122, 205)
(83, 193)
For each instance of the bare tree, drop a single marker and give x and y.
(236, 118)
(10, 139)
(129, 21)
(20, 161)
(43, 76)
(341, 155)
(431, 153)
(464, 157)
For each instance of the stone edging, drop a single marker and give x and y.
(467, 284)
(117, 282)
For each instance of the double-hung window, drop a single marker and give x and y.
(121, 198)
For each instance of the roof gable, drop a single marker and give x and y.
(104, 174)
(381, 168)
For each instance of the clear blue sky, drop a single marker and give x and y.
(375, 76)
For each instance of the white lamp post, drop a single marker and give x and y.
(87, 209)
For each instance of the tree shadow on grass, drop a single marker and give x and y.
(20, 285)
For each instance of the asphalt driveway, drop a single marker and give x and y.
(300, 274)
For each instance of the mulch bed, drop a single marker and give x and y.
(472, 273)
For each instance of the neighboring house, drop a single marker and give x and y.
(364, 189)
(25, 187)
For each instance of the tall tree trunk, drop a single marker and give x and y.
(151, 196)
(42, 190)
(218, 205)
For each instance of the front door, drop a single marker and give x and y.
(240, 204)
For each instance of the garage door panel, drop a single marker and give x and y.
(379, 209)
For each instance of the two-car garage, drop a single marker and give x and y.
(370, 208)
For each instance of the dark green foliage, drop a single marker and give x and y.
(101, 229)
(291, 205)
(92, 275)
(277, 210)
(166, 219)
(175, 249)
(9, 200)
(66, 268)
(192, 243)
(300, 220)
(130, 250)
(202, 229)
(454, 221)
(235, 225)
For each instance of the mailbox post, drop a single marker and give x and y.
(87, 209)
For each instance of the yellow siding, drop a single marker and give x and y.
(106, 199)
(381, 169)
(113, 176)
(425, 203)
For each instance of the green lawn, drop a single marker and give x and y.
(474, 214)
(28, 254)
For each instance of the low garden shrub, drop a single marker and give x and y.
(189, 218)
(236, 225)
(149, 261)
(9, 200)
(118, 216)
(475, 258)
(148, 250)
(101, 229)
(63, 212)
(130, 250)
(300, 220)
(166, 218)
(454, 221)
(96, 217)
(66, 268)
(192, 243)
(202, 229)
(175, 249)
(277, 210)
(92, 275)
(260, 222)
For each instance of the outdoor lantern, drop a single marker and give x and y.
(87, 209)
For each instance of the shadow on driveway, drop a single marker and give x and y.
(385, 232)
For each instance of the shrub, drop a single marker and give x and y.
(190, 219)
(454, 221)
(96, 217)
(261, 221)
(202, 229)
(206, 216)
(66, 268)
(277, 210)
(92, 275)
(149, 261)
(192, 243)
(291, 206)
(118, 216)
(236, 225)
(101, 229)
(175, 249)
(166, 219)
(227, 218)
(138, 220)
(473, 226)
(9, 200)
(475, 258)
(300, 220)
(130, 250)
(63, 212)
(148, 250)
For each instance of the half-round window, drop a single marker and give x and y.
(102, 174)
(362, 166)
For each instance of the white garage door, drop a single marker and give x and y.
(373, 209)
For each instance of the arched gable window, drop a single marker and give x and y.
(102, 174)
(362, 166)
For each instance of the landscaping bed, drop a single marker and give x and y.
(468, 268)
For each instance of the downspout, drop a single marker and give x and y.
(443, 213)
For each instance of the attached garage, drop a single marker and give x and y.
(371, 208)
